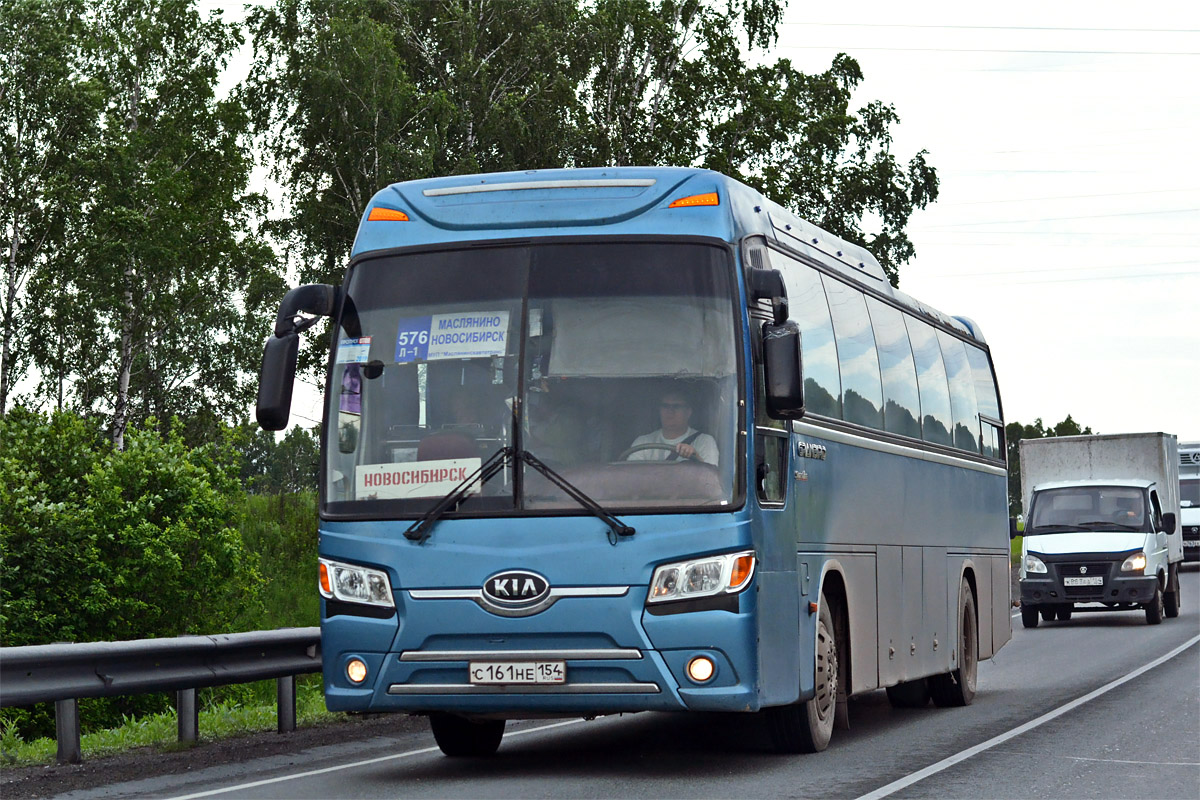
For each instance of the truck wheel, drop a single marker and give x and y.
(1154, 609)
(1064, 611)
(461, 737)
(1029, 616)
(1171, 598)
(1048, 614)
(957, 688)
(806, 727)
(1171, 604)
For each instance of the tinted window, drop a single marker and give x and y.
(985, 386)
(862, 394)
(962, 393)
(931, 380)
(901, 402)
(810, 310)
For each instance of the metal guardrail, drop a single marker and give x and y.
(64, 673)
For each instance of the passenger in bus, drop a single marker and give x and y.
(676, 440)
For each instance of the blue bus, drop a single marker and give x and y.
(615, 440)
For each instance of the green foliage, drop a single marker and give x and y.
(281, 530)
(100, 544)
(1014, 432)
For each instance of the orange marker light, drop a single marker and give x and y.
(709, 199)
(381, 214)
(741, 571)
(325, 587)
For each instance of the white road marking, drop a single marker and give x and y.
(946, 763)
(407, 754)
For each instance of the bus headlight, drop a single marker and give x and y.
(704, 577)
(354, 584)
(1135, 563)
(1033, 564)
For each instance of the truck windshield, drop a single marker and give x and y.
(614, 363)
(1089, 508)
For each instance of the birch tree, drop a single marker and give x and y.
(48, 112)
(176, 279)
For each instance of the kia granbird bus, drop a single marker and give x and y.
(616, 440)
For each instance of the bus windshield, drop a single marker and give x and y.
(614, 363)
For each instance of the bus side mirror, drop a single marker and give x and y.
(275, 381)
(782, 372)
(767, 284)
(1168, 522)
(278, 370)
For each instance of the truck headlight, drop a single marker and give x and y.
(1135, 563)
(1033, 564)
(353, 584)
(704, 577)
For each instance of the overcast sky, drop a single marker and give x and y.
(1066, 136)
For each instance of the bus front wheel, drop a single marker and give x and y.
(807, 727)
(461, 737)
(957, 688)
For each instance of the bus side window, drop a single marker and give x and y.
(962, 392)
(901, 400)
(862, 392)
(931, 379)
(991, 431)
(818, 353)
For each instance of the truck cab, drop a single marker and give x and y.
(1088, 542)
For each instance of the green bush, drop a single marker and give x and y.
(102, 545)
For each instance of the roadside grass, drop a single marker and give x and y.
(160, 731)
(1014, 551)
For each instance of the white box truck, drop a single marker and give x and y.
(1189, 499)
(1101, 526)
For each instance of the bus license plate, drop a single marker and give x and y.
(518, 672)
(1096, 581)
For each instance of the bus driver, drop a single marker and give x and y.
(676, 439)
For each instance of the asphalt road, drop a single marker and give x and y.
(1102, 706)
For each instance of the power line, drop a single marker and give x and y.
(1060, 219)
(942, 204)
(987, 27)
(990, 50)
(1070, 269)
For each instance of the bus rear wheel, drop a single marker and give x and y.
(807, 727)
(957, 688)
(461, 737)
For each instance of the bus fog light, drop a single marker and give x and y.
(701, 669)
(356, 670)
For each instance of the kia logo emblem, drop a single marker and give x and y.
(514, 588)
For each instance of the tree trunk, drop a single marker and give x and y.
(121, 407)
(10, 316)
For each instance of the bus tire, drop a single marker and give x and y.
(1154, 609)
(459, 737)
(957, 688)
(909, 694)
(807, 726)
(1029, 616)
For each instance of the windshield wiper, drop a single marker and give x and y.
(616, 528)
(1110, 524)
(419, 530)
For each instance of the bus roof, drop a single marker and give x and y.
(613, 200)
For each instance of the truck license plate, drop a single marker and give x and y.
(517, 672)
(1096, 581)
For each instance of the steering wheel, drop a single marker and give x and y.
(648, 446)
